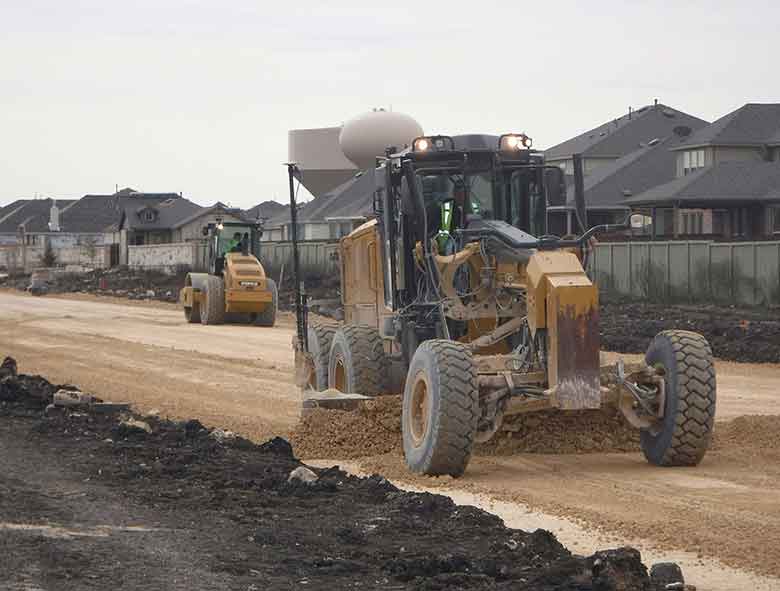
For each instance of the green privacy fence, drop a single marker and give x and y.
(740, 273)
(318, 258)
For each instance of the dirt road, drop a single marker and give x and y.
(239, 377)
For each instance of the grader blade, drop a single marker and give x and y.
(330, 399)
(574, 352)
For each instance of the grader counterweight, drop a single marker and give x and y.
(456, 295)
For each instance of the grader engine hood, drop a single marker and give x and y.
(562, 300)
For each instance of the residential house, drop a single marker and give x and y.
(265, 210)
(621, 136)
(330, 216)
(190, 228)
(37, 219)
(727, 181)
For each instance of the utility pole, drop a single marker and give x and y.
(300, 294)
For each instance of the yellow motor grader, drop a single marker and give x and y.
(235, 288)
(456, 296)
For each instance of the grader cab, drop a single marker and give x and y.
(235, 288)
(456, 296)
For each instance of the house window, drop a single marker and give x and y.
(692, 222)
(776, 220)
(148, 215)
(692, 160)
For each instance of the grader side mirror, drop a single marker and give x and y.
(640, 221)
(555, 186)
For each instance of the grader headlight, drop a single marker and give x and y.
(436, 143)
(511, 142)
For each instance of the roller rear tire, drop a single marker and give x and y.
(268, 316)
(213, 312)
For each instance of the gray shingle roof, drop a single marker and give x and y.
(351, 199)
(92, 214)
(608, 185)
(623, 135)
(736, 182)
(752, 124)
(214, 209)
(34, 214)
(170, 209)
(266, 209)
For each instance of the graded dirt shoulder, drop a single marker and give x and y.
(240, 378)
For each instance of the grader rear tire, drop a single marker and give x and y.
(268, 316)
(320, 338)
(357, 363)
(440, 409)
(213, 312)
(683, 435)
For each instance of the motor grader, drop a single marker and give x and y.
(487, 315)
(235, 288)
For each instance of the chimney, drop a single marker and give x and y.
(54, 218)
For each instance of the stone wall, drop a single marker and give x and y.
(166, 257)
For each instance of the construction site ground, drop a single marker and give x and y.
(721, 520)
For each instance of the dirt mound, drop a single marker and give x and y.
(758, 432)
(269, 530)
(375, 428)
(735, 335)
(564, 432)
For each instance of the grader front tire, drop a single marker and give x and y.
(683, 435)
(440, 409)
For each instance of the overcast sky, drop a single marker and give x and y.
(197, 96)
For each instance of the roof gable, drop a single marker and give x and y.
(752, 124)
(623, 135)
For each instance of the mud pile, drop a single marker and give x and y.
(121, 282)
(372, 429)
(734, 334)
(375, 428)
(564, 432)
(269, 529)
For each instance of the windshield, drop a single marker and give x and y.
(473, 193)
(232, 238)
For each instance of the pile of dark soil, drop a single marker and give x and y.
(734, 334)
(121, 282)
(260, 529)
(374, 428)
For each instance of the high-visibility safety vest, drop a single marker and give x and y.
(443, 236)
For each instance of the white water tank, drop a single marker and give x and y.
(366, 136)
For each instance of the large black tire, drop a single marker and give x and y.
(192, 313)
(268, 316)
(440, 409)
(213, 312)
(357, 363)
(683, 435)
(320, 338)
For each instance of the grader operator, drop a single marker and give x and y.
(456, 296)
(235, 288)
